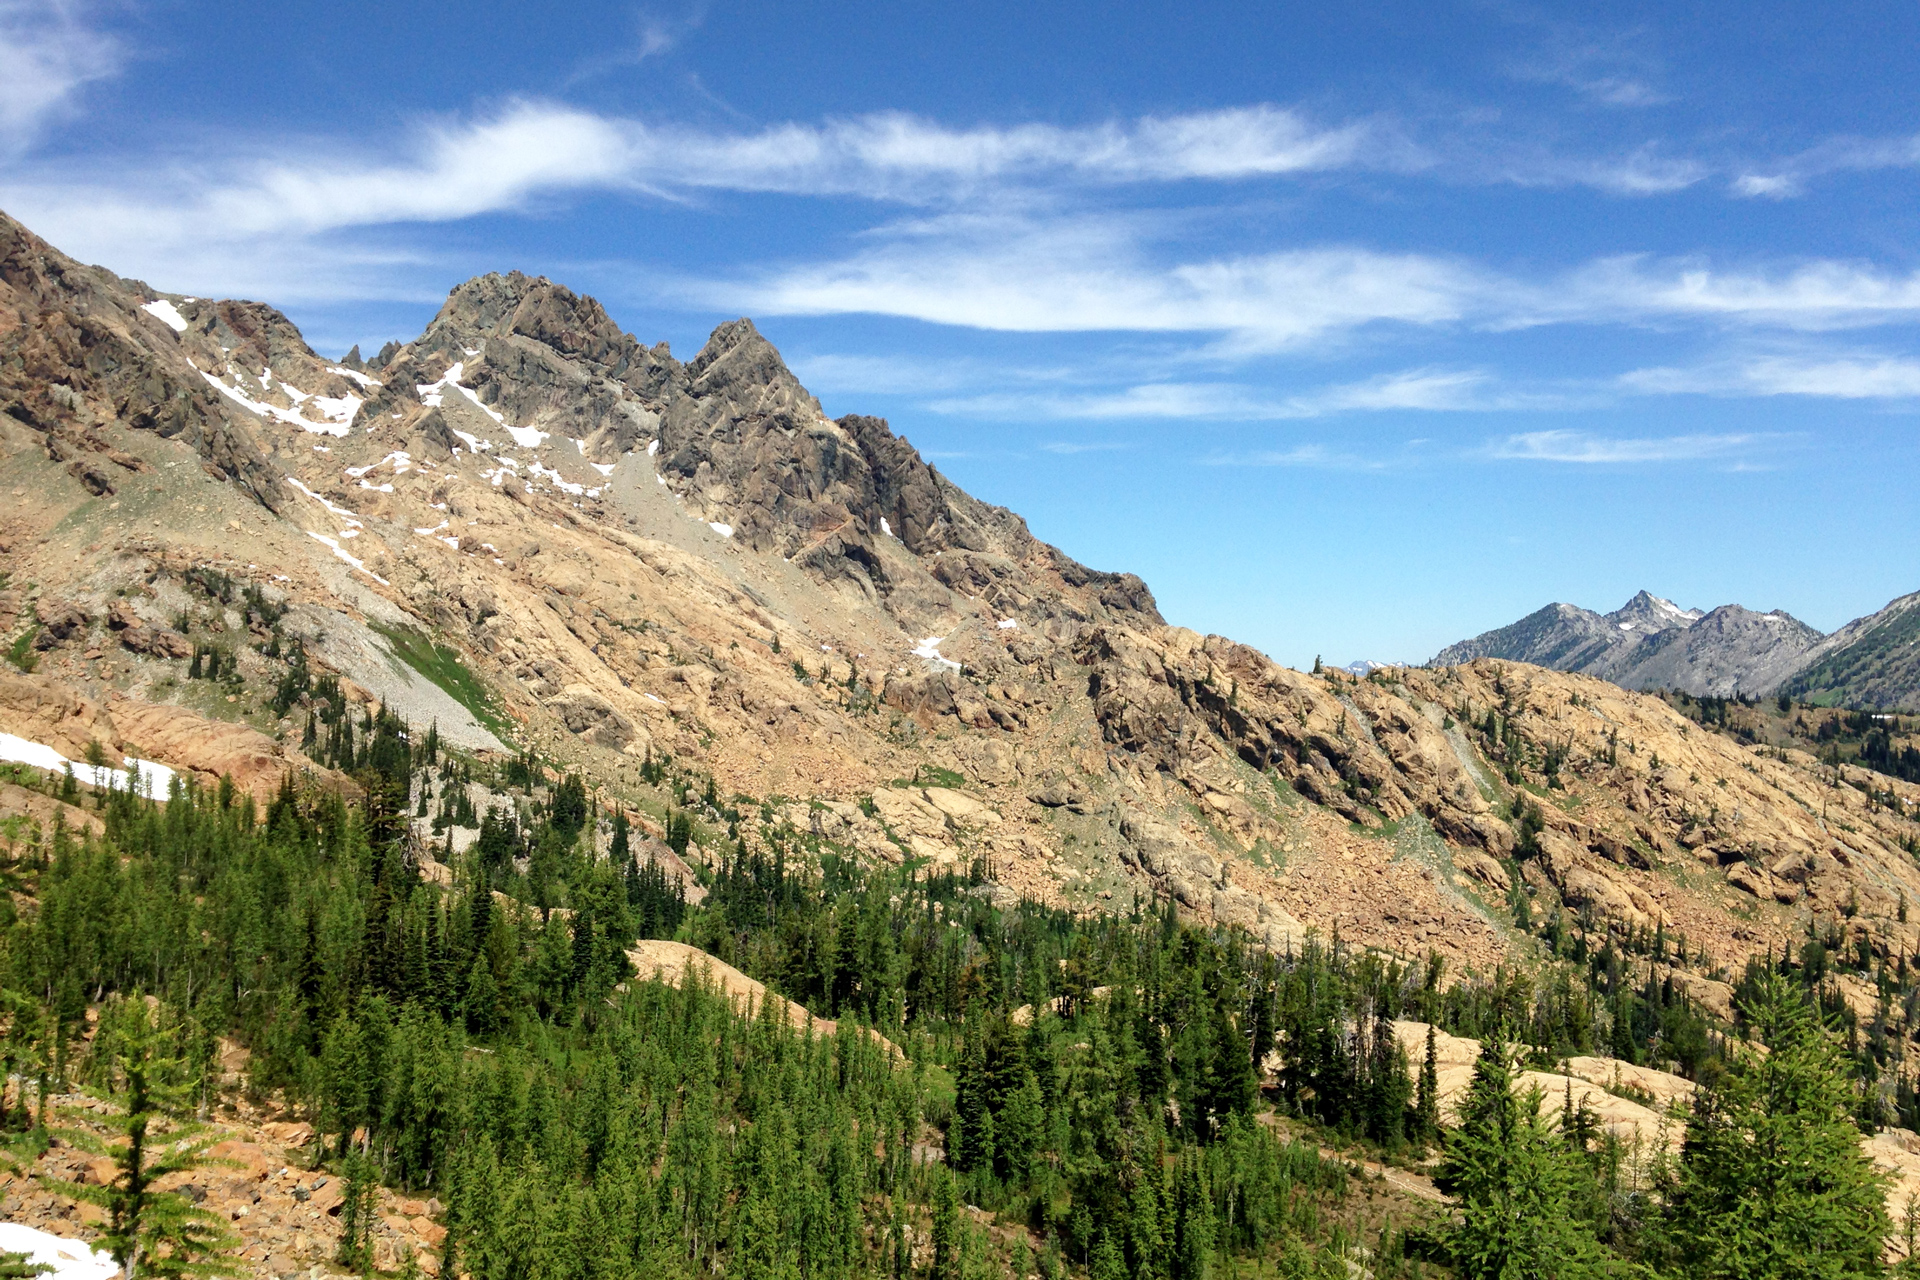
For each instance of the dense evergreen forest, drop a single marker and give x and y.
(1108, 1095)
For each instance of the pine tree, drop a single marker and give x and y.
(1019, 1129)
(1772, 1182)
(1514, 1182)
(946, 1229)
(357, 1218)
(1194, 1225)
(1388, 1089)
(970, 1142)
(343, 1078)
(1427, 1095)
(617, 852)
(21, 1265)
(481, 1004)
(151, 1232)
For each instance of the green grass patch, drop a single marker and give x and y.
(1387, 830)
(442, 665)
(20, 653)
(928, 775)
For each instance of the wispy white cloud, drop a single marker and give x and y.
(1085, 274)
(1805, 296)
(1027, 273)
(655, 31)
(459, 168)
(1849, 377)
(49, 49)
(1070, 447)
(1608, 69)
(1003, 247)
(1587, 448)
(1444, 390)
(1646, 170)
(1783, 179)
(1418, 390)
(530, 154)
(1310, 456)
(660, 32)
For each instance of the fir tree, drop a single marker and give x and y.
(1772, 1181)
(357, 1219)
(946, 1229)
(1427, 1094)
(1514, 1183)
(21, 1265)
(151, 1232)
(481, 1003)
(617, 852)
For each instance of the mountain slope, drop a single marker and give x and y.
(1872, 662)
(537, 532)
(1562, 636)
(1651, 643)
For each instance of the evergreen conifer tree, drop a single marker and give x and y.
(20, 1265)
(1514, 1182)
(151, 1232)
(1427, 1094)
(357, 1214)
(946, 1229)
(481, 1004)
(1772, 1181)
(617, 852)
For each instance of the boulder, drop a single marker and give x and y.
(589, 715)
(1750, 879)
(1583, 887)
(1486, 870)
(156, 642)
(59, 621)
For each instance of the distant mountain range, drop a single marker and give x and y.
(1652, 643)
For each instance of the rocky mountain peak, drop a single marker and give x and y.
(1647, 613)
(253, 334)
(513, 304)
(1652, 643)
(741, 370)
(81, 348)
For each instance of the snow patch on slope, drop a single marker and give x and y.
(350, 558)
(63, 1259)
(929, 649)
(166, 313)
(154, 779)
(337, 412)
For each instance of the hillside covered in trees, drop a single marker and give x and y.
(1119, 1094)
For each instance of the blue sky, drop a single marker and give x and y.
(1353, 329)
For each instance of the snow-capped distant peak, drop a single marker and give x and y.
(1671, 609)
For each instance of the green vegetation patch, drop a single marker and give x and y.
(20, 653)
(442, 665)
(928, 775)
